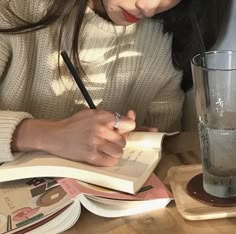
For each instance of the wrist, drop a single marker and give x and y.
(31, 135)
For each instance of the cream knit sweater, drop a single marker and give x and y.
(127, 68)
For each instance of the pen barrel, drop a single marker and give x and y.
(77, 79)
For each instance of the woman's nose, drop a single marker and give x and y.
(148, 7)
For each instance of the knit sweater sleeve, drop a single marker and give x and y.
(8, 119)
(165, 111)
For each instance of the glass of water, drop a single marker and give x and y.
(215, 97)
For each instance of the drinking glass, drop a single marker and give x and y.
(215, 97)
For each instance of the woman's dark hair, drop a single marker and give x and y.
(177, 21)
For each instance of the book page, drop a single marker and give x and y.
(121, 208)
(153, 188)
(134, 162)
(25, 202)
(132, 165)
(141, 155)
(141, 151)
(145, 140)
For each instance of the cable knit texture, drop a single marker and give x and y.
(127, 68)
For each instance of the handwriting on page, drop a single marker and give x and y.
(134, 161)
(130, 157)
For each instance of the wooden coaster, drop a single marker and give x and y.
(195, 190)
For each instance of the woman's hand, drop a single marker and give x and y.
(88, 136)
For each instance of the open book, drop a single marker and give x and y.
(50, 205)
(141, 155)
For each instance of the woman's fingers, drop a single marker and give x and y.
(115, 121)
(110, 149)
(102, 159)
(89, 136)
(114, 137)
(125, 124)
(131, 114)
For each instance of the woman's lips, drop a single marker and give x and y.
(129, 17)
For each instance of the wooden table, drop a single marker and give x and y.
(182, 149)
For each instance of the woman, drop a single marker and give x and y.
(130, 55)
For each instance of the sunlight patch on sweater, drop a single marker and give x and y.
(124, 54)
(63, 85)
(52, 60)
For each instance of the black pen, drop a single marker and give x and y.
(78, 80)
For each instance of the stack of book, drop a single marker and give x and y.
(42, 193)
